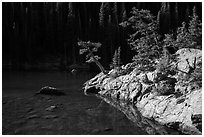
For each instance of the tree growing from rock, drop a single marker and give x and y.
(165, 20)
(195, 30)
(191, 36)
(187, 37)
(89, 48)
(116, 62)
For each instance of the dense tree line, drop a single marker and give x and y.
(151, 45)
(34, 31)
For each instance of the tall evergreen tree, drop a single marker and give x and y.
(165, 20)
(122, 9)
(158, 21)
(182, 36)
(85, 20)
(110, 33)
(144, 39)
(105, 11)
(115, 13)
(119, 56)
(116, 61)
(187, 14)
(102, 15)
(71, 11)
(176, 15)
(190, 37)
(72, 30)
(195, 30)
(124, 16)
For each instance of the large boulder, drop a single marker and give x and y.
(169, 109)
(188, 58)
(189, 67)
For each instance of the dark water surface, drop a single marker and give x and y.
(19, 81)
(75, 113)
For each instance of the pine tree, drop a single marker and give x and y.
(72, 30)
(116, 61)
(118, 56)
(144, 40)
(86, 20)
(122, 6)
(79, 26)
(168, 15)
(176, 15)
(105, 11)
(102, 15)
(124, 17)
(195, 30)
(110, 32)
(165, 17)
(187, 14)
(89, 48)
(182, 39)
(109, 20)
(190, 37)
(70, 12)
(158, 20)
(169, 40)
(115, 13)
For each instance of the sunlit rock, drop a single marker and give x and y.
(174, 100)
(188, 58)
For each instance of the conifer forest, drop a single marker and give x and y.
(48, 32)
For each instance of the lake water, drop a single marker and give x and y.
(75, 113)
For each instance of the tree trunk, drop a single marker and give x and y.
(98, 63)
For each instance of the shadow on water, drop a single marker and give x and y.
(31, 81)
(26, 113)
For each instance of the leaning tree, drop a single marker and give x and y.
(89, 48)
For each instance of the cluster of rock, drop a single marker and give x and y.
(174, 100)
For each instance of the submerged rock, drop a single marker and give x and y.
(50, 116)
(33, 116)
(50, 91)
(168, 99)
(51, 108)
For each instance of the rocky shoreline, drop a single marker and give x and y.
(171, 99)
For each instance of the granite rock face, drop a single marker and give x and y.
(168, 100)
(188, 58)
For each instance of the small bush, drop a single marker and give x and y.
(165, 66)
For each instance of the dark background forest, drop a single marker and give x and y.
(47, 33)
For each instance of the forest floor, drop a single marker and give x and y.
(24, 113)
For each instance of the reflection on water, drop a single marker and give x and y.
(131, 112)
